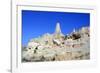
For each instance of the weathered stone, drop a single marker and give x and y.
(58, 47)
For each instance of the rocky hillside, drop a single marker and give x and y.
(58, 47)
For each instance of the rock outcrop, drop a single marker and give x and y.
(58, 47)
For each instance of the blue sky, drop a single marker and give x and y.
(37, 23)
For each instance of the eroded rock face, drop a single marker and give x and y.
(51, 47)
(56, 41)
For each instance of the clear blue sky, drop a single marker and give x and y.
(37, 23)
